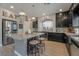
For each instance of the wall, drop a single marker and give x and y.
(0, 32)
(27, 24)
(19, 21)
(52, 17)
(0, 29)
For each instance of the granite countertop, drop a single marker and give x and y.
(50, 32)
(71, 34)
(75, 37)
(25, 36)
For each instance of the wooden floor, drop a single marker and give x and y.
(55, 49)
(7, 50)
(75, 50)
(51, 49)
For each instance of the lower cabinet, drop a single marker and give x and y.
(74, 50)
(58, 37)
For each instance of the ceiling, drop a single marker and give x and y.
(36, 9)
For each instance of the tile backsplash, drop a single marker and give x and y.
(61, 30)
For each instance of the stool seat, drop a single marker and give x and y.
(33, 47)
(34, 42)
(41, 38)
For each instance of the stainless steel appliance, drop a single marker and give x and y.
(8, 27)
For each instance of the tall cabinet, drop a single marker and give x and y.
(7, 26)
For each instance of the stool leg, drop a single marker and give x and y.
(44, 45)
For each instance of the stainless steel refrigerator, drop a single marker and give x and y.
(8, 27)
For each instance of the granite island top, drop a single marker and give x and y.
(25, 36)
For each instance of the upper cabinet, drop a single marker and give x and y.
(63, 19)
(35, 23)
(74, 12)
(68, 18)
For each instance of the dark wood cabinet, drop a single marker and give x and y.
(58, 37)
(66, 19)
(63, 19)
(75, 14)
(35, 24)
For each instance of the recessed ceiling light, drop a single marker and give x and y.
(22, 13)
(33, 17)
(11, 6)
(60, 14)
(60, 10)
(44, 14)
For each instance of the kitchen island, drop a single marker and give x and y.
(21, 41)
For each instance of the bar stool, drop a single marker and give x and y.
(33, 47)
(42, 44)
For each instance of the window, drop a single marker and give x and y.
(48, 25)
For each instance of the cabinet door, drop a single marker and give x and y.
(62, 19)
(56, 37)
(74, 50)
(35, 24)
